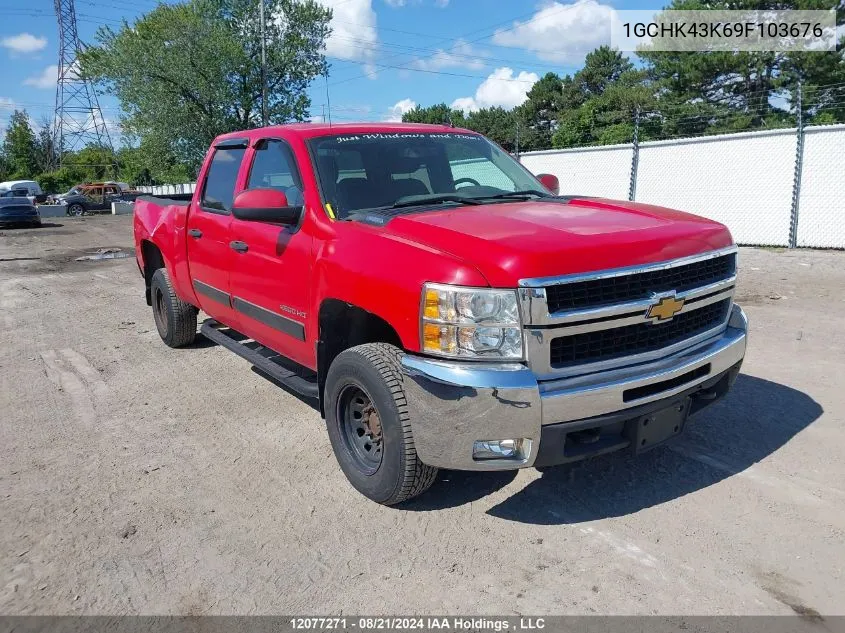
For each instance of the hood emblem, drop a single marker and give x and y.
(664, 308)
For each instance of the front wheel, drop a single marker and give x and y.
(369, 425)
(75, 210)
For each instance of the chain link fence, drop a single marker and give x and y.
(757, 183)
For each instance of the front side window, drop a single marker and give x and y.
(219, 190)
(274, 167)
(379, 170)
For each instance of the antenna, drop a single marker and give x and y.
(328, 100)
(78, 118)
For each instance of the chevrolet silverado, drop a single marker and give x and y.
(442, 306)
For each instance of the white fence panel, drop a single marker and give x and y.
(821, 205)
(742, 180)
(168, 190)
(590, 171)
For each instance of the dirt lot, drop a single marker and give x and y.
(139, 479)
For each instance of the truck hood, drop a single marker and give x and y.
(508, 242)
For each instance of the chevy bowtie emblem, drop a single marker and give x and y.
(665, 308)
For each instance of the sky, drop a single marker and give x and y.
(385, 56)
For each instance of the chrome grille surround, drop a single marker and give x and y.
(541, 326)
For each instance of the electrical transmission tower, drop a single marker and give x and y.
(78, 118)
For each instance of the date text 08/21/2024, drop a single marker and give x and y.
(399, 623)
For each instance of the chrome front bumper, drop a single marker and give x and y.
(453, 404)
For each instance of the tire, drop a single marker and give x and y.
(75, 209)
(371, 373)
(175, 320)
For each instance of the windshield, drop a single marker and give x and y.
(376, 170)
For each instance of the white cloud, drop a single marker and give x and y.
(24, 43)
(501, 88)
(461, 55)
(395, 112)
(560, 32)
(354, 36)
(46, 80)
(441, 3)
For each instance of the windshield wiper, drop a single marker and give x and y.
(519, 195)
(413, 201)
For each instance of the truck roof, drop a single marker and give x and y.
(310, 130)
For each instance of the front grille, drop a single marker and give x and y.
(598, 292)
(591, 347)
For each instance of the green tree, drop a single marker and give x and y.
(19, 147)
(438, 114)
(60, 180)
(497, 124)
(600, 101)
(45, 152)
(93, 162)
(537, 117)
(721, 91)
(185, 73)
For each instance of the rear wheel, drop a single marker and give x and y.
(369, 425)
(175, 319)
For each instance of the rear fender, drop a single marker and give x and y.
(163, 226)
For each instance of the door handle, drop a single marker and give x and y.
(241, 247)
(195, 233)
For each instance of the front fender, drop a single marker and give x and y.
(384, 274)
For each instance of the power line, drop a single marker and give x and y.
(434, 72)
(493, 26)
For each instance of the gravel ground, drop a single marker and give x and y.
(139, 479)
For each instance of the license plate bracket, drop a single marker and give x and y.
(657, 427)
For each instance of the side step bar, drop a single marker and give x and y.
(222, 335)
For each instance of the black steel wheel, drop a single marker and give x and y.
(369, 425)
(361, 428)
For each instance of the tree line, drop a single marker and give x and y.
(29, 153)
(185, 73)
(667, 94)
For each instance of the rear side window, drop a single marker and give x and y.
(219, 189)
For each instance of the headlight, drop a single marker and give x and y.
(470, 322)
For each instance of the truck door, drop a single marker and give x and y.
(208, 227)
(270, 275)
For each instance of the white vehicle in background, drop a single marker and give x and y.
(19, 188)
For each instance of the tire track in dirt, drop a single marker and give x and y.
(72, 374)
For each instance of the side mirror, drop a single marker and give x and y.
(550, 182)
(265, 205)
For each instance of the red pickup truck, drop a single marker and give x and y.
(445, 307)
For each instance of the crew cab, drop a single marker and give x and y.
(444, 307)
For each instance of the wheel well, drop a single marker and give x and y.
(153, 260)
(343, 325)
